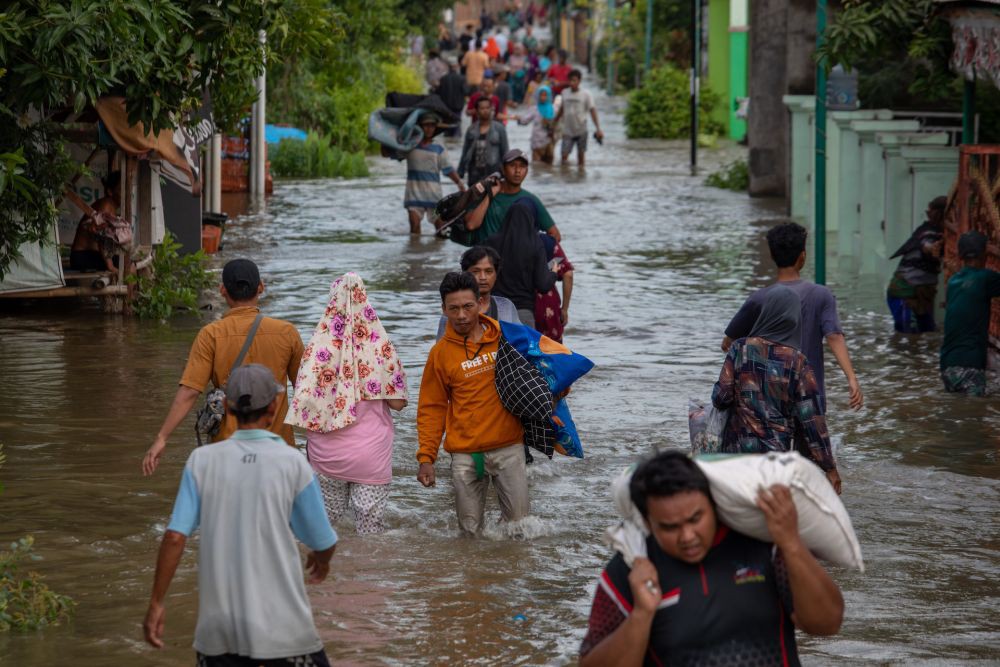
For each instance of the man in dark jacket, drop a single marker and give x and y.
(451, 90)
(485, 144)
(913, 287)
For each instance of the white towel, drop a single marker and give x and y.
(628, 536)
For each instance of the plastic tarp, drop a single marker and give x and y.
(396, 127)
(560, 367)
(273, 134)
(171, 153)
(38, 267)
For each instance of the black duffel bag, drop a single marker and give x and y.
(451, 210)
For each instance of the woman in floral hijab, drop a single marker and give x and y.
(349, 378)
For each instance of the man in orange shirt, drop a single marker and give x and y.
(276, 344)
(475, 63)
(458, 400)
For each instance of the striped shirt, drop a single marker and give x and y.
(424, 166)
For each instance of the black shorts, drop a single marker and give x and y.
(317, 659)
(89, 260)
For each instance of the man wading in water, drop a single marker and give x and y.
(458, 400)
(967, 318)
(486, 219)
(252, 496)
(424, 166)
(483, 262)
(913, 288)
(787, 243)
(707, 595)
(276, 344)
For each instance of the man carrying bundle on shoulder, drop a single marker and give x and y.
(707, 594)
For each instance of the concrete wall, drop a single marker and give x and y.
(782, 44)
(768, 125)
(801, 44)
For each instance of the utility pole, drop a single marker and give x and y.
(820, 167)
(695, 80)
(258, 145)
(611, 48)
(649, 37)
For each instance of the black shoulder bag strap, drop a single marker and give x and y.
(246, 343)
(214, 395)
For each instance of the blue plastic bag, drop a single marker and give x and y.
(559, 365)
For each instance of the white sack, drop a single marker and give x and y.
(628, 536)
(824, 525)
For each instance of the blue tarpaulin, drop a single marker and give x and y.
(275, 133)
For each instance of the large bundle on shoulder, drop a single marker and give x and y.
(735, 480)
(533, 376)
(397, 126)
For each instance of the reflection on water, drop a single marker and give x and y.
(661, 265)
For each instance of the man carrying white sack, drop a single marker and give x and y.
(707, 594)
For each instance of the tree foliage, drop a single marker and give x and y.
(333, 89)
(671, 41)
(900, 48)
(161, 55)
(34, 169)
(661, 108)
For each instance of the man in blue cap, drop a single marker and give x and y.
(967, 318)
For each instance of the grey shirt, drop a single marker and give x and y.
(819, 320)
(505, 311)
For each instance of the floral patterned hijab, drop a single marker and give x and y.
(348, 359)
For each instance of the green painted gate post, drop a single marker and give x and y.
(649, 37)
(820, 199)
(695, 80)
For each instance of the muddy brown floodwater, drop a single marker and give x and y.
(661, 263)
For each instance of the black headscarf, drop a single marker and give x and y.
(524, 271)
(780, 319)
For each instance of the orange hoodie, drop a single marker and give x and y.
(459, 400)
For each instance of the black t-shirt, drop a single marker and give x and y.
(733, 608)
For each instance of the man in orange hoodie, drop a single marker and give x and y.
(458, 400)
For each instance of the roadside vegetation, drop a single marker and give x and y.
(315, 157)
(661, 109)
(26, 602)
(332, 87)
(172, 282)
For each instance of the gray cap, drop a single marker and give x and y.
(972, 245)
(514, 154)
(251, 387)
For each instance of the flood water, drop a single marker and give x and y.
(661, 264)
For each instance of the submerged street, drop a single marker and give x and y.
(662, 262)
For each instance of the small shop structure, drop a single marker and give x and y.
(155, 169)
